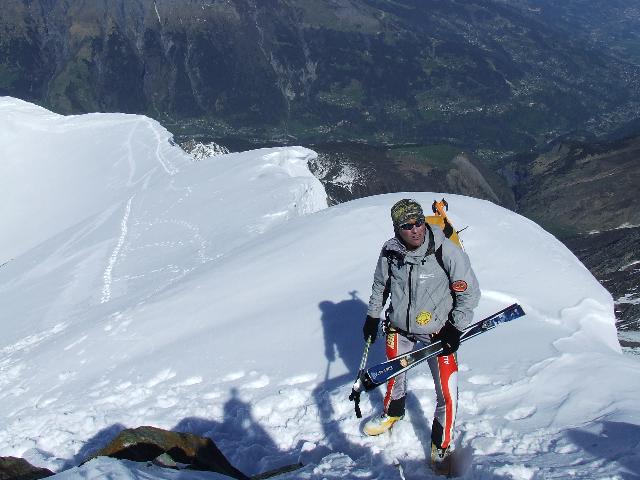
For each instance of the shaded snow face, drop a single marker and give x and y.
(222, 297)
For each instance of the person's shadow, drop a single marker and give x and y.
(241, 438)
(343, 341)
(342, 326)
(616, 442)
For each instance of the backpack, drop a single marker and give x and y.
(439, 219)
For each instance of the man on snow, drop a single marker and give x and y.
(433, 292)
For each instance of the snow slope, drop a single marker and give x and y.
(223, 298)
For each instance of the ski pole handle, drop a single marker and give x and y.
(355, 398)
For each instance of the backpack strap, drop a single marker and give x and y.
(389, 254)
(448, 228)
(432, 244)
(438, 255)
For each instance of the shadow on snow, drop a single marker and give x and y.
(249, 447)
(615, 442)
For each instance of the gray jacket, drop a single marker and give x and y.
(423, 293)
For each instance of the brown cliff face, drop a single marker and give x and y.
(162, 57)
(580, 188)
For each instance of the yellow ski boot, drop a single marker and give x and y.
(378, 425)
(441, 460)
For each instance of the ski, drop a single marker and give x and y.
(379, 374)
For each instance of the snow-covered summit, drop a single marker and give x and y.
(223, 297)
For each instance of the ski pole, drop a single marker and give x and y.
(357, 386)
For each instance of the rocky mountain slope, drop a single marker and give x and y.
(614, 259)
(580, 187)
(481, 74)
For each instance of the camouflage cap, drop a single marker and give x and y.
(405, 210)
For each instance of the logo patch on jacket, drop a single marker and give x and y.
(423, 318)
(459, 286)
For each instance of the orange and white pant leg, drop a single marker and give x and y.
(394, 399)
(444, 370)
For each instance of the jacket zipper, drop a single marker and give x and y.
(410, 295)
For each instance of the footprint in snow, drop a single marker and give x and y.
(212, 395)
(480, 380)
(166, 401)
(260, 382)
(233, 376)
(520, 413)
(163, 376)
(190, 382)
(298, 379)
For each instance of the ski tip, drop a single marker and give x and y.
(514, 310)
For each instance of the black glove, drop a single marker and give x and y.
(449, 337)
(370, 328)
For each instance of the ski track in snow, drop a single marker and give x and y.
(130, 155)
(107, 276)
(33, 340)
(165, 162)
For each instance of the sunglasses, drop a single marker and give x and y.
(409, 225)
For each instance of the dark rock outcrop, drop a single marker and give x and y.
(12, 468)
(168, 448)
